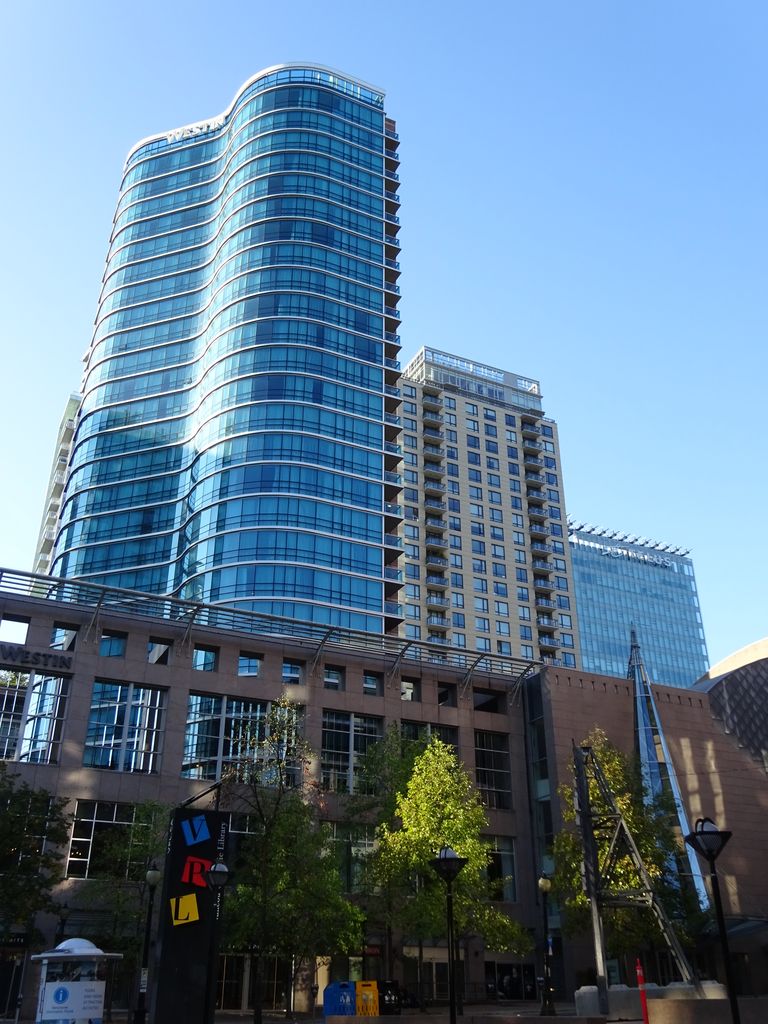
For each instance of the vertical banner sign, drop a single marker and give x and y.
(188, 915)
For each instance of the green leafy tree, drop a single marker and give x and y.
(627, 929)
(287, 900)
(33, 830)
(441, 807)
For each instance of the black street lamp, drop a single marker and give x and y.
(152, 877)
(447, 864)
(217, 877)
(709, 841)
(547, 1005)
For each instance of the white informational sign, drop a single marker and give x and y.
(73, 1001)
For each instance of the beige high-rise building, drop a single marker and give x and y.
(55, 490)
(487, 565)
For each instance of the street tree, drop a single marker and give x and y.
(33, 831)
(440, 806)
(287, 900)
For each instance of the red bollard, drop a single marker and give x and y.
(641, 986)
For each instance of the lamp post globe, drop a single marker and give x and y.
(217, 877)
(547, 1004)
(447, 865)
(152, 879)
(709, 842)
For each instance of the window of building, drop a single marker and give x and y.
(479, 565)
(345, 739)
(457, 579)
(479, 585)
(13, 629)
(456, 561)
(566, 639)
(446, 695)
(500, 589)
(569, 660)
(482, 625)
(41, 731)
(458, 620)
(524, 612)
(457, 600)
(205, 659)
(481, 604)
(521, 575)
(13, 693)
(522, 594)
(526, 633)
(112, 645)
(249, 664)
(158, 650)
(526, 651)
(373, 684)
(293, 672)
(125, 727)
(221, 731)
(489, 700)
(563, 602)
(98, 829)
(412, 631)
(410, 689)
(64, 636)
(459, 640)
(334, 678)
(412, 571)
(561, 582)
(566, 621)
(353, 845)
(492, 769)
(503, 629)
(495, 515)
(502, 872)
(504, 647)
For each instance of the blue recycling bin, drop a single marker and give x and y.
(339, 999)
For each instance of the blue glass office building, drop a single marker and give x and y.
(623, 582)
(237, 438)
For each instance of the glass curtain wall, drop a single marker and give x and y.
(237, 441)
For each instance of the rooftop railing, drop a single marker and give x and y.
(155, 607)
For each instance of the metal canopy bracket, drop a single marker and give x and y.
(316, 658)
(398, 661)
(186, 640)
(94, 620)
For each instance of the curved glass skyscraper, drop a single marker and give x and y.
(236, 442)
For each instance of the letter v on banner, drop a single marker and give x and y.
(196, 840)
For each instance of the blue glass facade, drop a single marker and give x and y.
(623, 584)
(237, 441)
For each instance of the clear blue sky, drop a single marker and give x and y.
(584, 202)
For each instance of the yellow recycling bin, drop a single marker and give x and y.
(367, 998)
